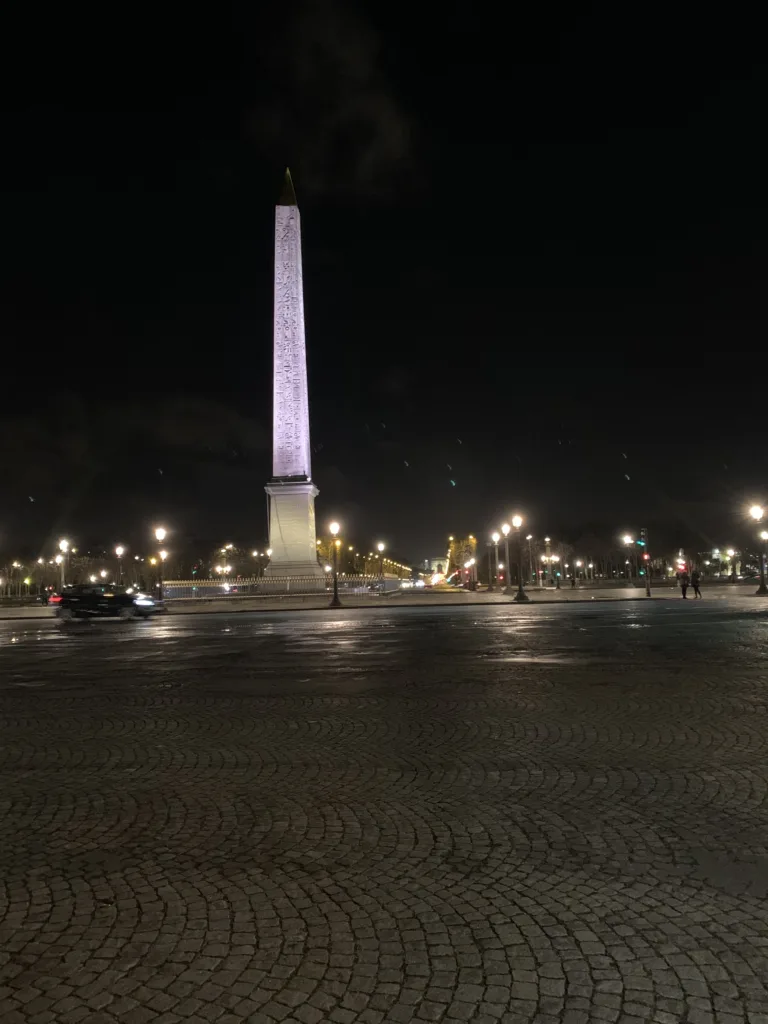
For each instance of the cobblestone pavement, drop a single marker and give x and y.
(502, 814)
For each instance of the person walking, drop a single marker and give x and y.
(696, 582)
(685, 582)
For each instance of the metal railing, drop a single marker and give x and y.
(278, 586)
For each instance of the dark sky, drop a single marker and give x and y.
(535, 265)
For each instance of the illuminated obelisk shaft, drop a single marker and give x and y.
(291, 491)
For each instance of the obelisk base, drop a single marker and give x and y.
(292, 532)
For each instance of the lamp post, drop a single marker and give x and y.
(160, 534)
(505, 530)
(495, 537)
(119, 551)
(757, 513)
(380, 549)
(471, 568)
(529, 538)
(629, 541)
(63, 560)
(520, 596)
(732, 556)
(556, 574)
(335, 602)
(548, 560)
(163, 556)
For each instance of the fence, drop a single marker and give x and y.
(278, 586)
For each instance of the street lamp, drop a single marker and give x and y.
(380, 549)
(160, 534)
(119, 551)
(163, 556)
(757, 514)
(470, 570)
(732, 555)
(335, 602)
(529, 538)
(495, 537)
(520, 596)
(629, 541)
(762, 589)
(505, 530)
(63, 560)
(555, 559)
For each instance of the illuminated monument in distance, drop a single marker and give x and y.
(291, 491)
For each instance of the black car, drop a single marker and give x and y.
(95, 600)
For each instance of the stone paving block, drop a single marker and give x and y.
(197, 839)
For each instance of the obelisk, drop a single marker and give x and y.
(291, 491)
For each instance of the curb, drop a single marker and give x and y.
(389, 603)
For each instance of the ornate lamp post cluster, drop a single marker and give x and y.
(551, 562)
(520, 594)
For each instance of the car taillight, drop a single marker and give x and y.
(54, 599)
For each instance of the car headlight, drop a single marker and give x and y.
(144, 602)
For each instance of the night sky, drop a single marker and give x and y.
(534, 262)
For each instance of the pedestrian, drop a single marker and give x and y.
(685, 582)
(696, 582)
(573, 582)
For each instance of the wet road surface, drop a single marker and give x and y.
(545, 814)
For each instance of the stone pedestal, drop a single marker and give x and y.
(292, 530)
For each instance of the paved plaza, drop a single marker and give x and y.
(549, 814)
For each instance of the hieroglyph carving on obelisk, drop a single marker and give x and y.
(291, 491)
(290, 441)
